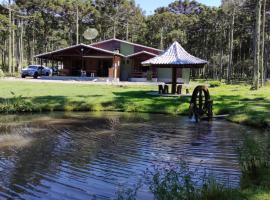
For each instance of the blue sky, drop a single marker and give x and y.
(150, 5)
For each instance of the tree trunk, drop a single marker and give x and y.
(231, 38)
(263, 43)
(161, 39)
(33, 45)
(17, 51)
(13, 46)
(77, 24)
(5, 54)
(127, 33)
(114, 28)
(256, 74)
(9, 41)
(22, 48)
(220, 64)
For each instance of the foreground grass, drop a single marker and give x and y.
(242, 104)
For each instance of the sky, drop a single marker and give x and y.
(150, 5)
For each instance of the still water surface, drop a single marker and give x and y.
(92, 155)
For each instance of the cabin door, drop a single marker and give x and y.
(104, 68)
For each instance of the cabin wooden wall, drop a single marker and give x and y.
(73, 66)
(91, 65)
(125, 48)
(110, 45)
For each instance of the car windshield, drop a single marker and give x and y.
(32, 67)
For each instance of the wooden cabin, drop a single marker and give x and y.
(111, 58)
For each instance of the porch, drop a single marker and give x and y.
(85, 61)
(138, 72)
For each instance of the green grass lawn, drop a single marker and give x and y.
(242, 104)
(81, 97)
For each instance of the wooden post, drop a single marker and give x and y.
(174, 80)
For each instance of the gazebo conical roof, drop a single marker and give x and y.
(175, 56)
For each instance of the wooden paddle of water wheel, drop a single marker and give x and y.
(201, 104)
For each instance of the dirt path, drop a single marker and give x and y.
(77, 80)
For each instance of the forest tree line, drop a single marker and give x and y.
(234, 37)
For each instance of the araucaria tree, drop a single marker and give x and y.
(234, 37)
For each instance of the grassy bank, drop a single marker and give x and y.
(242, 105)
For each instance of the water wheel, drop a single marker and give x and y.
(201, 103)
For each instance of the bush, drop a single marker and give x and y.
(2, 74)
(15, 74)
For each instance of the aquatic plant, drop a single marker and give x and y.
(254, 156)
(180, 182)
(186, 184)
(125, 193)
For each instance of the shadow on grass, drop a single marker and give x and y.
(138, 101)
(126, 101)
(250, 111)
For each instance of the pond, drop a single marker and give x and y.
(92, 155)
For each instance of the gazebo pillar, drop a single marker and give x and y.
(174, 80)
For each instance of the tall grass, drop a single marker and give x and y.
(182, 183)
(16, 104)
(254, 156)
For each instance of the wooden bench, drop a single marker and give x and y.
(64, 72)
(163, 89)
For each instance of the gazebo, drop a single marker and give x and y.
(175, 57)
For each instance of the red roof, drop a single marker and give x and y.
(126, 42)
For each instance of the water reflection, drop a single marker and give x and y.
(84, 156)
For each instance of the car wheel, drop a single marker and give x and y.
(23, 76)
(35, 75)
(47, 74)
